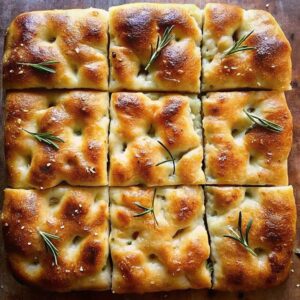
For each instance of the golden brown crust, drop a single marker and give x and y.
(79, 216)
(272, 235)
(138, 122)
(170, 255)
(76, 38)
(134, 27)
(80, 118)
(266, 67)
(233, 156)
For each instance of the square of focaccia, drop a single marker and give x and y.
(268, 66)
(79, 118)
(134, 30)
(138, 123)
(78, 217)
(76, 39)
(167, 255)
(237, 154)
(271, 236)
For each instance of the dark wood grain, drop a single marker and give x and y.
(287, 14)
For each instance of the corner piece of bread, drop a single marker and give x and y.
(268, 66)
(78, 217)
(271, 236)
(75, 39)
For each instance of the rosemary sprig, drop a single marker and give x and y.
(46, 137)
(47, 237)
(238, 45)
(147, 210)
(161, 43)
(41, 66)
(167, 160)
(240, 237)
(262, 122)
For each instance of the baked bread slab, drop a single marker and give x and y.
(138, 123)
(266, 67)
(79, 217)
(135, 27)
(76, 39)
(233, 156)
(271, 235)
(80, 118)
(171, 254)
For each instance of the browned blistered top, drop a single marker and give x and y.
(135, 27)
(171, 255)
(79, 216)
(76, 38)
(233, 156)
(266, 67)
(271, 236)
(138, 122)
(80, 118)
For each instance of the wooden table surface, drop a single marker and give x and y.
(287, 14)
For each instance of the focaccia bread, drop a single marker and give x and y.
(143, 128)
(134, 30)
(167, 255)
(268, 66)
(79, 118)
(75, 39)
(271, 235)
(236, 153)
(78, 217)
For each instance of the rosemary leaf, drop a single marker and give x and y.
(46, 137)
(147, 210)
(161, 43)
(47, 237)
(237, 47)
(210, 267)
(167, 160)
(41, 66)
(240, 237)
(262, 122)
